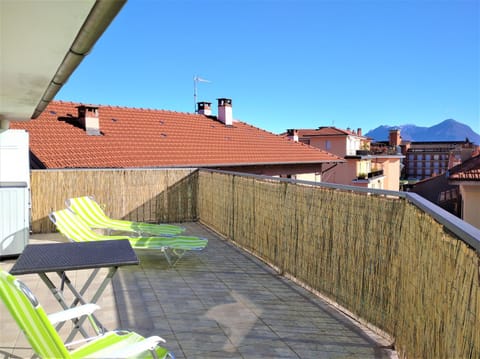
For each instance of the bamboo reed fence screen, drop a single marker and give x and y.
(150, 195)
(381, 258)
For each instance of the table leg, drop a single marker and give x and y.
(59, 297)
(79, 295)
(79, 298)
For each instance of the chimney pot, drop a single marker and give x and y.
(293, 134)
(225, 111)
(359, 131)
(204, 108)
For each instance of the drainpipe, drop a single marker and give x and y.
(99, 18)
(329, 168)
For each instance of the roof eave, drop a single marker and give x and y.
(463, 182)
(100, 17)
(238, 164)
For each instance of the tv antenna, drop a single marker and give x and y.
(196, 80)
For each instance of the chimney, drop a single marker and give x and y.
(292, 134)
(204, 108)
(225, 111)
(359, 131)
(88, 118)
(394, 139)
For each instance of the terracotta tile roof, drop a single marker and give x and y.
(322, 131)
(467, 171)
(134, 137)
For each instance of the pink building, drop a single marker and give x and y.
(362, 168)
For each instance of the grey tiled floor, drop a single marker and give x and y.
(217, 303)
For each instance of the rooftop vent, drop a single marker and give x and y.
(225, 111)
(88, 118)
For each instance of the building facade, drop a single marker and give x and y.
(467, 177)
(427, 159)
(362, 167)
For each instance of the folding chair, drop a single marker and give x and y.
(39, 329)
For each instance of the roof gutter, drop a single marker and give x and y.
(241, 164)
(102, 14)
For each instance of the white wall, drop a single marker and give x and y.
(14, 156)
(471, 204)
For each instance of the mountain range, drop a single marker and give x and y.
(448, 130)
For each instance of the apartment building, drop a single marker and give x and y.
(427, 159)
(362, 167)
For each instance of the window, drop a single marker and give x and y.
(328, 145)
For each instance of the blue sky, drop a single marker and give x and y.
(292, 64)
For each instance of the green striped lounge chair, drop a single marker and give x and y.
(94, 215)
(40, 332)
(76, 229)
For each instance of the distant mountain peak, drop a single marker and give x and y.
(447, 130)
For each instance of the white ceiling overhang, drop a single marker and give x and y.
(41, 44)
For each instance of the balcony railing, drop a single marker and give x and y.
(389, 258)
(375, 173)
(372, 174)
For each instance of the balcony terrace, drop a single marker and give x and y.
(218, 303)
(396, 263)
